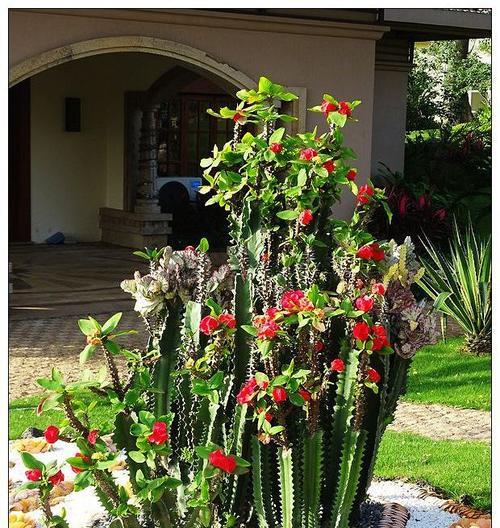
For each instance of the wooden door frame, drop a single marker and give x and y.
(19, 171)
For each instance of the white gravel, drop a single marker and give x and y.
(424, 513)
(83, 508)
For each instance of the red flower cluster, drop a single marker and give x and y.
(327, 107)
(364, 303)
(160, 434)
(33, 474)
(248, 391)
(295, 301)
(305, 217)
(266, 324)
(92, 436)
(365, 194)
(276, 147)
(279, 394)
(56, 478)
(306, 395)
(351, 175)
(379, 337)
(269, 416)
(378, 288)
(329, 166)
(221, 461)
(307, 154)
(337, 365)
(240, 118)
(209, 324)
(319, 346)
(371, 252)
(52, 434)
(362, 331)
(373, 375)
(84, 458)
(345, 109)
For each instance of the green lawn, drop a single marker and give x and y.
(442, 374)
(456, 468)
(22, 414)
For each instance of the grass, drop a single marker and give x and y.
(22, 414)
(456, 468)
(442, 374)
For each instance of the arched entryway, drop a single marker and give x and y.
(107, 153)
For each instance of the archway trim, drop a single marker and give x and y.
(132, 43)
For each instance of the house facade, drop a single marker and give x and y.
(108, 121)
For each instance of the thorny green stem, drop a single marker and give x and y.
(113, 372)
(73, 420)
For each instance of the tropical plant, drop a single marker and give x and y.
(460, 285)
(265, 388)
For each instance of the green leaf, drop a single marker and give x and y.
(31, 462)
(112, 347)
(77, 462)
(111, 323)
(203, 246)
(264, 85)
(276, 136)
(86, 326)
(288, 215)
(137, 456)
(249, 329)
(87, 353)
(296, 399)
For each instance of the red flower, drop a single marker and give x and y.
(307, 154)
(329, 166)
(344, 108)
(221, 461)
(373, 375)
(265, 257)
(247, 392)
(239, 118)
(351, 175)
(159, 435)
(269, 416)
(440, 214)
(319, 346)
(209, 324)
(52, 434)
(306, 395)
(279, 394)
(364, 303)
(56, 478)
(305, 217)
(33, 474)
(83, 457)
(337, 365)
(228, 320)
(295, 301)
(190, 248)
(92, 436)
(276, 148)
(378, 254)
(327, 107)
(266, 324)
(371, 252)
(361, 331)
(365, 193)
(378, 288)
(263, 384)
(379, 338)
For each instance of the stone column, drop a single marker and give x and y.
(146, 191)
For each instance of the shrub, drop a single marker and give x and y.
(265, 388)
(460, 286)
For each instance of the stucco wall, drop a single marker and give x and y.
(75, 173)
(389, 119)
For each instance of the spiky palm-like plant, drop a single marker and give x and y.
(460, 285)
(265, 388)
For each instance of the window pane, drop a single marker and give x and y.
(204, 117)
(192, 115)
(204, 144)
(192, 140)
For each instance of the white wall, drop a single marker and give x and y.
(73, 174)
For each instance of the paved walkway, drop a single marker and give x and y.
(54, 286)
(441, 422)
